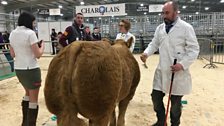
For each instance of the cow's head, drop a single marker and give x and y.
(122, 42)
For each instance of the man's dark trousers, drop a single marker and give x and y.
(175, 112)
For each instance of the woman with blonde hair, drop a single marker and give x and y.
(124, 27)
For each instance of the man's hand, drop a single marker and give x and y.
(143, 57)
(176, 68)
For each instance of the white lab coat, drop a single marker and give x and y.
(180, 43)
(125, 37)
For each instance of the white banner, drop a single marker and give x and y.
(55, 11)
(155, 8)
(102, 10)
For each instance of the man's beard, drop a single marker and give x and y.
(167, 21)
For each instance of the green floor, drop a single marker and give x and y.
(7, 76)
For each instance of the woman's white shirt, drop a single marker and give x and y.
(125, 37)
(21, 40)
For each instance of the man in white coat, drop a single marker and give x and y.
(175, 39)
(124, 27)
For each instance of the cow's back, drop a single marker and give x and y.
(88, 76)
(98, 72)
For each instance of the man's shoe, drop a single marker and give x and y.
(158, 124)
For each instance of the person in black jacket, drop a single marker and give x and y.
(96, 34)
(88, 33)
(2, 46)
(53, 39)
(6, 37)
(74, 32)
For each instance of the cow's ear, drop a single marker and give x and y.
(129, 42)
(107, 40)
(114, 42)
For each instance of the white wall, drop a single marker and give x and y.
(44, 28)
(44, 32)
(4, 68)
(2, 19)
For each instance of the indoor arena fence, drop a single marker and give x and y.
(6, 62)
(212, 49)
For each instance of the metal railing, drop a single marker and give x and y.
(203, 23)
(212, 49)
(218, 50)
(206, 51)
(6, 61)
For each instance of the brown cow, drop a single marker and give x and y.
(90, 79)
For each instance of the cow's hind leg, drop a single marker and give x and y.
(90, 122)
(122, 110)
(70, 119)
(123, 107)
(113, 119)
(101, 121)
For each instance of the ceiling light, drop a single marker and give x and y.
(222, 1)
(82, 3)
(61, 14)
(190, 16)
(4, 2)
(196, 12)
(206, 8)
(178, 12)
(145, 13)
(192, 0)
(141, 5)
(184, 7)
(59, 6)
(159, 14)
(99, 18)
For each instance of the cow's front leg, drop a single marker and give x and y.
(113, 119)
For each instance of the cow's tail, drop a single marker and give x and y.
(70, 56)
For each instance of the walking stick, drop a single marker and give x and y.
(171, 85)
